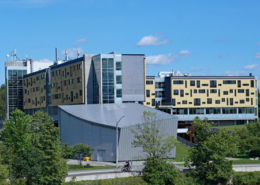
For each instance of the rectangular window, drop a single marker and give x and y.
(42, 76)
(176, 82)
(118, 66)
(77, 96)
(198, 84)
(213, 83)
(239, 83)
(219, 84)
(230, 90)
(185, 83)
(240, 91)
(80, 66)
(251, 101)
(80, 92)
(247, 92)
(205, 85)
(173, 102)
(245, 84)
(190, 93)
(229, 81)
(119, 79)
(235, 92)
(213, 91)
(225, 92)
(227, 101)
(231, 101)
(65, 82)
(153, 102)
(223, 99)
(181, 93)
(192, 83)
(202, 91)
(147, 93)
(52, 73)
(195, 90)
(175, 92)
(119, 93)
(149, 82)
(79, 79)
(252, 83)
(217, 101)
(57, 72)
(63, 73)
(242, 101)
(209, 100)
(184, 101)
(219, 93)
(197, 101)
(247, 99)
(207, 93)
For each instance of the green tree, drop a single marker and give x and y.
(156, 147)
(67, 151)
(2, 102)
(208, 155)
(249, 139)
(258, 103)
(3, 173)
(81, 150)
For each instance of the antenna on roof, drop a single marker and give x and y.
(66, 55)
(78, 53)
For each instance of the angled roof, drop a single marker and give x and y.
(109, 114)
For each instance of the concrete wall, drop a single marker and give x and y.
(88, 73)
(133, 77)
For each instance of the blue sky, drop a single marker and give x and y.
(198, 37)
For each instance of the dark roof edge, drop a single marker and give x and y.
(67, 63)
(35, 73)
(134, 54)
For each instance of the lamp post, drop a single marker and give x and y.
(117, 140)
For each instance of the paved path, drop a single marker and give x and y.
(97, 163)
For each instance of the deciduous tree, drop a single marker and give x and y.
(81, 150)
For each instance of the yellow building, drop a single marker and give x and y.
(222, 99)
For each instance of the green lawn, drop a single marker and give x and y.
(72, 167)
(231, 127)
(246, 161)
(181, 153)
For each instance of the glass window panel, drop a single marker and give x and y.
(104, 76)
(118, 66)
(105, 90)
(24, 72)
(104, 63)
(118, 79)
(110, 63)
(119, 93)
(111, 90)
(20, 73)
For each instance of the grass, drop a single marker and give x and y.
(116, 181)
(231, 127)
(181, 153)
(246, 161)
(75, 167)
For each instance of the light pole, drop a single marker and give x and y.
(117, 140)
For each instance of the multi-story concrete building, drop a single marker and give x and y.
(224, 100)
(91, 79)
(14, 72)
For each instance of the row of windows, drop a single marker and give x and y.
(213, 83)
(32, 81)
(197, 101)
(67, 97)
(70, 82)
(35, 101)
(65, 73)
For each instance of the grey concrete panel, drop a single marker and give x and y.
(88, 79)
(132, 77)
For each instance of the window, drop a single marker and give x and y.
(197, 101)
(203, 102)
(242, 101)
(118, 65)
(190, 93)
(240, 91)
(80, 66)
(251, 101)
(239, 83)
(184, 101)
(153, 102)
(57, 72)
(25, 91)
(213, 91)
(148, 82)
(223, 99)
(147, 93)
(217, 101)
(229, 110)
(192, 83)
(178, 102)
(185, 83)
(219, 84)
(245, 84)
(225, 92)
(63, 73)
(119, 79)
(209, 100)
(175, 92)
(148, 103)
(207, 93)
(173, 102)
(181, 93)
(186, 93)
(229, 81)
(195, 90)
(29, 100)
(69, 81)
(231, 101)
(196, 111)
(65, 82)
(37, 78)
(219, 93)
(119, 93)
(252, 83)
(190, 102)
(213, 83)
(231, 90)
(42, 76)
(52, 73)
(178, 82)
(79, 79)
(198, 84)
(227, 101)
(212, 110)
(202, 91)
(205, 85)
(80, 92)
(247, 99)
(247, 92)
(235, 92)
(77, 96)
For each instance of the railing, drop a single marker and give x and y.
(185, 142)
(166, 104)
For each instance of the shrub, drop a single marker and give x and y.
(159, 172)
(246, 178)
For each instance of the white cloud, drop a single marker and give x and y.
(152, 40)
(72, 52)
(161, 59)
(234, 73)
(81, 41)
(257, 55)
(184, 52)
(44, 60)
(223, 40)
(258, 43)
(251, 67)
(196, 69)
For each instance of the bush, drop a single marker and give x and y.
(159, 172)
(246, 178)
